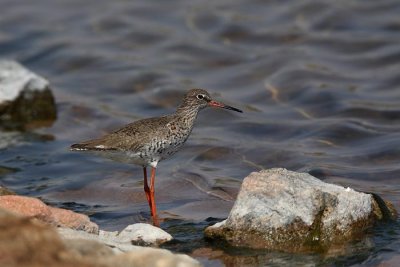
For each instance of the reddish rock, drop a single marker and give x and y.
(35, 208)
(73, 220)
(26, 206)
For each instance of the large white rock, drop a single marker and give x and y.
(293, 211)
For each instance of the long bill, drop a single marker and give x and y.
(213, 103)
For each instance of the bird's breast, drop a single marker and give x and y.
(162, 144)
(169, 144)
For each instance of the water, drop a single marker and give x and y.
(317, 80)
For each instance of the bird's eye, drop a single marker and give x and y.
(200, 96)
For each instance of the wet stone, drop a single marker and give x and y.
(25, 97)
(290, 211)
(144, 234)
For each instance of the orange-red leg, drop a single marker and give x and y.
(150, 194)
(147, 189)
(153, 201)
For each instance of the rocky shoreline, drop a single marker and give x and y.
(34, 234)
(276, 209)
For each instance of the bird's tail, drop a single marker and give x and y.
(79, 147)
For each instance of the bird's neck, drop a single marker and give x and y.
(187, 114)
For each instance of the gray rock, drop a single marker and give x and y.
(144, 234)
(108, 239)
(150, 257)
(24, 96)
(110, 250)
(15, 78)
(88, 248)
(129, 239)
(285, 210)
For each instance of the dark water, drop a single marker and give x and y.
(318, 80)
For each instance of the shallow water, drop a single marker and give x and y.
(318, 82)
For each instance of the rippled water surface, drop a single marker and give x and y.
(318, 82)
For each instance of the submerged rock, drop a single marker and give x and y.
(28, 242)
(285, 210)
(35, 208)
(24, 96)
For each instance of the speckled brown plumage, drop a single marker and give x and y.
(148, 141)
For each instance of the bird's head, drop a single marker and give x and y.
(200, 98)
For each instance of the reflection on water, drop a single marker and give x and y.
(317, 80)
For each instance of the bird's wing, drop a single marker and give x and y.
(131, 137)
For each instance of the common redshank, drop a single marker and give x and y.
(148, 141)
